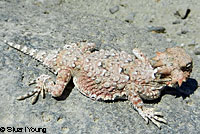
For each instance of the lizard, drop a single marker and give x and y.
(104, 75)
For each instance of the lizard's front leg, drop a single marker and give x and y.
(44, 84)
(146, 113)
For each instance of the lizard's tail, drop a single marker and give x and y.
(46, 58)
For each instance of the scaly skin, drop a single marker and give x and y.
(109, 75)
(174, 63)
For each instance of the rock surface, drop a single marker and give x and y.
(49, 24)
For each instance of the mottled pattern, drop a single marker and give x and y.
(109, 74)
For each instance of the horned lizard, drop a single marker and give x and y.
(110, 74)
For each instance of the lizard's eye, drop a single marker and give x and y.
(188, 67)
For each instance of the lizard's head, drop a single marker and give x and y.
(174, 65)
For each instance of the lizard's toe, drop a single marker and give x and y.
(39, 89)
(155, 117)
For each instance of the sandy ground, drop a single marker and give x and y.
(122, 25)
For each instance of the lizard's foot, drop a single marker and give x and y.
(155, 117)
(39, 88)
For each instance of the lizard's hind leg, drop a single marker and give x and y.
(39, 88)
(44, 84)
